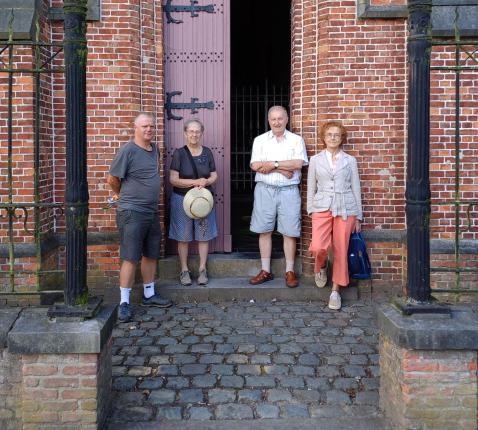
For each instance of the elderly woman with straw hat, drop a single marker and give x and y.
(192, 173)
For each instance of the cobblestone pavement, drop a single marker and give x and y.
(239, 361)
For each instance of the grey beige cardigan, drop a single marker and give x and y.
(337, 191)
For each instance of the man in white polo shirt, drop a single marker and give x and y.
(277, 158)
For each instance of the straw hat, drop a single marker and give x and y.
(198, 203)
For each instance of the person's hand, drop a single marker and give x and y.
(286, 173)
(266, 167)
(358, 226)
(201, 183)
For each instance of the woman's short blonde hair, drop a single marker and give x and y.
(330, 124)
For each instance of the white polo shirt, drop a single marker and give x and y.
(266, 148)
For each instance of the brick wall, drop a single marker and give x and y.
(124, 77)
(342, 68)
(64, 391)
(428, 389)
(74, 389)
(341, 71)
(10, 391)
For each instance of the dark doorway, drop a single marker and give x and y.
(260, 78)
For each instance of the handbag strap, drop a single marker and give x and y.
(191, 160)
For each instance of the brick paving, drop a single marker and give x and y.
(243, 361)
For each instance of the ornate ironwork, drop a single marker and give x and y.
(12, 212)
(465, 59)
(193, 9)
(194, 105)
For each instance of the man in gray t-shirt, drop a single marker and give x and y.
(134, 178)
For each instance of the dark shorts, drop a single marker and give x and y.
(140, 234)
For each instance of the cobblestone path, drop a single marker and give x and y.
(244, 361)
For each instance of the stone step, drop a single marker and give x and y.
(336, 423)
(228, 280)
(236, 288)
(224, 265)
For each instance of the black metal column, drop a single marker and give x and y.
(418, 184)
(76, 194)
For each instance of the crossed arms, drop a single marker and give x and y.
(286, 167)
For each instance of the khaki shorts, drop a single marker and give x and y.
(276, 203)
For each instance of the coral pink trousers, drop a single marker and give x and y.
(327, 230)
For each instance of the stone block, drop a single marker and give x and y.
(200, 414)
(267, 411)
(427, 370)
(232, 411)
(35, 333)
(64, 370)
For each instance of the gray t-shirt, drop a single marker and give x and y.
(140, 182)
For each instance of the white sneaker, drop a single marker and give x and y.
(335, 302)
(321, 278)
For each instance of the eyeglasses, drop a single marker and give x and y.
(333, 135)
(193, 132)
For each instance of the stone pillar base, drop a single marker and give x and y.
(59, 371)
(428, 369)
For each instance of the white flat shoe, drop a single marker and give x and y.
(335, 302)
(321, 278)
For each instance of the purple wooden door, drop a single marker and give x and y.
(197, 70)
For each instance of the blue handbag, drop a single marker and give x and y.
(359, 263)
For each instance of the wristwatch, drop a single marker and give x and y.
(276, 164)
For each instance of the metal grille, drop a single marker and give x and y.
(26, 223)
(463, 59)
(249, 119)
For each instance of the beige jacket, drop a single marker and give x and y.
(339, 191)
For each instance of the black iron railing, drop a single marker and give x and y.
(41, 56)
(464, 54)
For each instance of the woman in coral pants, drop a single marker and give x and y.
(335, 205)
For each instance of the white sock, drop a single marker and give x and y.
(289, 266)
(266, 264)
(125, 295)
(148, 290)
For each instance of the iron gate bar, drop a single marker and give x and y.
(250, 104)
(11, 207)
(29, 272)
(36, 163)
(10, 163)
(458, 44)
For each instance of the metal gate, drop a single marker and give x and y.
(25, 225)
(456, 59)
(249, 106)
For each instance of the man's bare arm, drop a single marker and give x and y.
(256, 165)
(291, 165)
(266, 167)
(115, 183)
